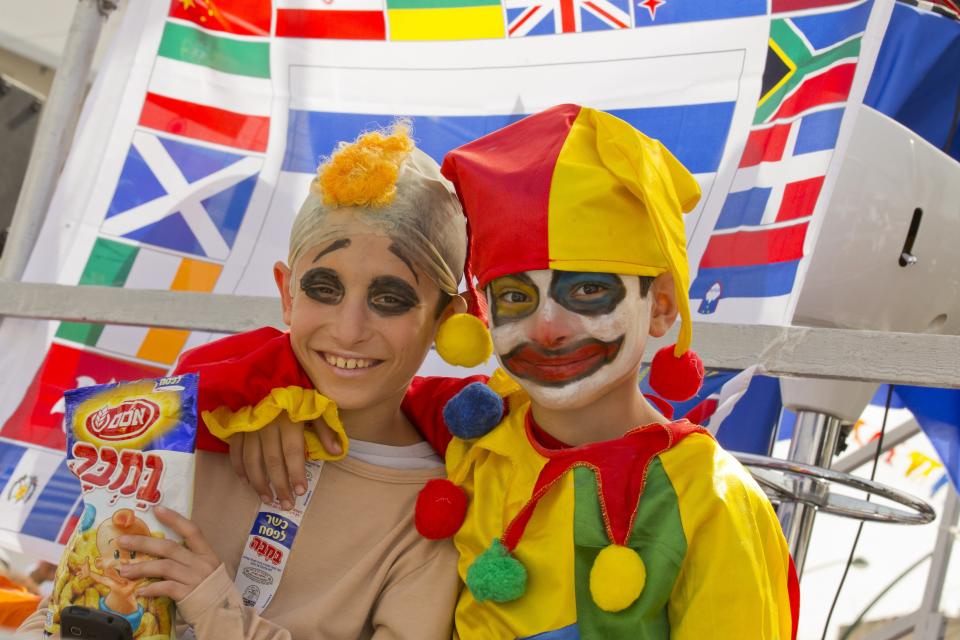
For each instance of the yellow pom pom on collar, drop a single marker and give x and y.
(617, 578)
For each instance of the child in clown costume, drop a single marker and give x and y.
(591, 514)
(578, 509)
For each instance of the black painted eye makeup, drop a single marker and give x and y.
(391, 296)
(323, 285)
(589, 294)
(514, 297)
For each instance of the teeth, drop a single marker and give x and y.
(347, 363)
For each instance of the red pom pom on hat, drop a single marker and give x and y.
(441, 509)
(676, 378)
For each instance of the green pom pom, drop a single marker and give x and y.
(496, 575)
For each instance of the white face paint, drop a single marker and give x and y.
(568, 338)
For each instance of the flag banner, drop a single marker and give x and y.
(754, 258)
(336, 19)
(531, 18)
(205, 127)
(913, 80)
(938, 413)
(741, 408)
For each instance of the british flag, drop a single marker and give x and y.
(533, 18)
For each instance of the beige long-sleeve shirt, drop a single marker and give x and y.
(358, 568)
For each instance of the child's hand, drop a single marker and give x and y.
(180, 569)
(275, 455)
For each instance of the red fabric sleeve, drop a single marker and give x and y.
(424, 402)
(239, 371)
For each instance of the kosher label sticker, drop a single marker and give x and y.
(268, 546)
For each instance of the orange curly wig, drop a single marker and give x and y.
(364, 173)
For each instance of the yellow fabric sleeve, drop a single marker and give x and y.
(301, 405)
(734, 580)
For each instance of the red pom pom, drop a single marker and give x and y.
(662, 405)
(441, 509)
(673, 378)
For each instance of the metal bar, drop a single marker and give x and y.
(54, 134)
(141, 307)
(828, 353)
(896, 629)
(776, 475)
(927, 623)
(877, 598)
(814, 441)
(930, 622)
(865, 454)
(873, 356)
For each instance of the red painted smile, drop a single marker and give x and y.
(560, 367)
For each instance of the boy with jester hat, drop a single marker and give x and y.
(591, 514)
(577, 508)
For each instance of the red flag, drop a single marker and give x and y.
(38, 420)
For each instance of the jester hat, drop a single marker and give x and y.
(577, 189)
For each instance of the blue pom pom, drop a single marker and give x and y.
(473, 412)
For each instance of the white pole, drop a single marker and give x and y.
(930, 622)
(54, 134)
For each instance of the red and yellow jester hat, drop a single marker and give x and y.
(577, 189)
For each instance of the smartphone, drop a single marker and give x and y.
(93, 624)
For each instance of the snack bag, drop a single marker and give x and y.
(131, 444)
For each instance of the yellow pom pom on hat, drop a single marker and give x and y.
(464, 341)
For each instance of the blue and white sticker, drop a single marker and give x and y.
(267, 551)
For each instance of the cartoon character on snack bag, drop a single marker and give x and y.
(122, 599)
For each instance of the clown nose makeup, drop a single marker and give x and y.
(556, 368)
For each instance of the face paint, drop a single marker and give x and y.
(395, 250)
(560, 367)
(592, 294)
(342, 243)
(514, 297)
(391, 296)
(570, 347)
(360, 324)
(322, 285)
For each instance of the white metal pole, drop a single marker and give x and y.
(930, 622)
(54, 134)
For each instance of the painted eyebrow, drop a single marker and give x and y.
(336, 244)
(395, 250)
